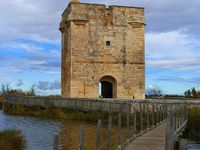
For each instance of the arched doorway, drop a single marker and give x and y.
(108, 87)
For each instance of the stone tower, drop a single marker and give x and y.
(103, 51)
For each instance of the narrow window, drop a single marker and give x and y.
(107, 43)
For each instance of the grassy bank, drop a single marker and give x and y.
(1, 105)
(11, 140)
(1, 101)
(58, 113)
(193, 126)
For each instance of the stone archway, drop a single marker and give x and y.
(108, 87)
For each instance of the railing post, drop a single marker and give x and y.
(175, 118)
(109, 131)
(135, 123)
(169, 130)
(98, 135)
(186, 112)
(127, 124)
(81, 138)
(141, 118)
(153, 118)
(119, 132)
(181, 113)
(157, 115)
(163, 112)
(147, 116)
(160, 113)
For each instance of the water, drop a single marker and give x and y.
(39, 133)
(191, 145)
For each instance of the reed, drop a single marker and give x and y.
(193, 131)
(12, 140)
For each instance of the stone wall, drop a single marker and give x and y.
(83, 104)
(104, 105)
(100, 41)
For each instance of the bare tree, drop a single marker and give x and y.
(155, 91)
(5, 88)
(32, 90)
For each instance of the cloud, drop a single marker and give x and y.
(46, 85)
(19, 83)
(178, 79)
(172, 50)
(4, 79)
(46, 65)
(51, 73)
(175, 64)
(32, 50)
(39, 20)
(26, 55)
(168, 15)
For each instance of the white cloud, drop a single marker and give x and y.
(178, 79)
(35, 19)
(46, 85)
(39, 19)
(172, 50)
(51, 73)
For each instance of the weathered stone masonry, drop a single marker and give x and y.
(102, 43)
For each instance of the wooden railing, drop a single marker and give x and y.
(176, 122)
(133, 120)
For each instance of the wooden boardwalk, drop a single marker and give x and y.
(152, 140)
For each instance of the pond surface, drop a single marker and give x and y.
(191, 145)
(39, 133)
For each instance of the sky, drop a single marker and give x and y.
(30, 43)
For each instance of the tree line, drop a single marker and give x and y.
(6, 89)
(192, 93)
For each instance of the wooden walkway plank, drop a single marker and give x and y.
(152, 140)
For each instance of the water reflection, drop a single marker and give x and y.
(39, 133)
(191, 145)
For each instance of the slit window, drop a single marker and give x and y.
(107, 43)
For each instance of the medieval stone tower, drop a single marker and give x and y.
(103, 51)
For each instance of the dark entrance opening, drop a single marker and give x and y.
(106, 89)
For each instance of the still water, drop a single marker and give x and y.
(39, 133)
(193, 145)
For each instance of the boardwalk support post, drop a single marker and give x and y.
(119, 132)
(127, 124)
(98, 135)
(81, 138)
(135, 121)
(141, 118)
(109, 131)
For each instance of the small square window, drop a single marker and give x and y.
(107, 43)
